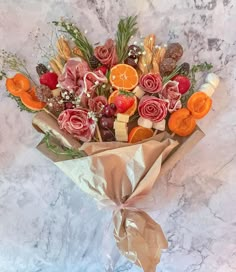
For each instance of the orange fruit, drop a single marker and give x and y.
(131, 110)
(17, 84)
(182, 122)
(199, 104)
(30, 100)
(124, 77)
(138, 134)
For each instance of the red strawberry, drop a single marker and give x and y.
(49, 79)
(124, 101)
(184, 83)
(103, 69)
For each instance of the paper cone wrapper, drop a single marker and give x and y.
(120, 175)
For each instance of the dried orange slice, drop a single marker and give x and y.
(30, 100)
(138, 134)
(182, 122)
(17, 84)
(131, 110)
(199, 104)
(124, 77)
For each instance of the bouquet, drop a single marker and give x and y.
(115, 117)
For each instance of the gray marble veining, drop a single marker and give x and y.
(47, 224)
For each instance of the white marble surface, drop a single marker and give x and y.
(47, 224)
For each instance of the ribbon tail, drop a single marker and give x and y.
(139, 238)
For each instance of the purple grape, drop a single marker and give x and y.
(106, 122)
(108, 111)
(107, 135)
(113, 106)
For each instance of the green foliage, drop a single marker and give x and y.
(20, 104)
(59, 150)
(170, 76)
(78, 38)
(123, 92)
(126, 29)
(199, 68)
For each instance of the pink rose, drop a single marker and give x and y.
(78, 123)
(151, 83)
(170, 92)
(152, 108)
(106, 54)
(97, 104)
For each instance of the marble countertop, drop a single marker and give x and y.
(47, 224)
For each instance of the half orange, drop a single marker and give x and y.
(124, 77)
(139, 133)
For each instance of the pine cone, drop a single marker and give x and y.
(43, 93)
(94, 62)
(55, 104)
(41, 69)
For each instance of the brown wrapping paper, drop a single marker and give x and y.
(120, 176)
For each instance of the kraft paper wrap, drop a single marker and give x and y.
(120, 175)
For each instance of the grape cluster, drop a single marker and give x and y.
(106, 122)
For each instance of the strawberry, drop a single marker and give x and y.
(124, 101)
(184, 83)
(49, 79)
(102, 68)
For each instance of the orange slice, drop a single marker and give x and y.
(124, 77)
(131, 110)
(17, 84)
(138, 134)
(30, 100)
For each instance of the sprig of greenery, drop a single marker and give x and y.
(134, 117)
(20, 104)
(126, 29)
(199, 68)
(59, 150)
(170, 76)
(12, 62)
(124, 92)
(78, 38)
(2, 75)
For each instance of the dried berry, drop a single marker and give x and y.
(55, 104)
(41, 69)
(134, 51)
(167, 66)
(174, 51)
(94, 62)
(132, 62)
(43, 93)
(185, 68)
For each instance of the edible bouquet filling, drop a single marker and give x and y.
(112, 114)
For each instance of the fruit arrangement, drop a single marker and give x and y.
(124, 90)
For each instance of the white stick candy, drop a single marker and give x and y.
(207, 88)
(213, 79)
